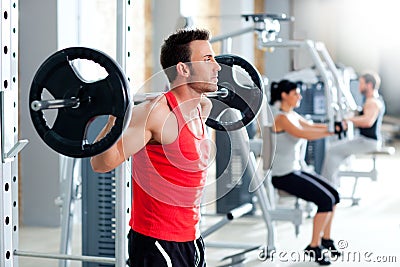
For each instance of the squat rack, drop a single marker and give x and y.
(10, 146)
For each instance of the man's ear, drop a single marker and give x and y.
(183, 69)
(370, 85)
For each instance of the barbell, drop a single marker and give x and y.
(74, 102)
(78, 101)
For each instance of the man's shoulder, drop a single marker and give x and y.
(156, 108)
(374, 101)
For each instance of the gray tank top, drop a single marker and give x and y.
(288, 152)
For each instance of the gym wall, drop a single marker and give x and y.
(38, 164)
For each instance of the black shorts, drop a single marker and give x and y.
(145, 251)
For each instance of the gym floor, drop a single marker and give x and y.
(369, 232)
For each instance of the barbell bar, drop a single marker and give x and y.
(78, 101)
(82, 258)
(37, 105)
(139, 98)
(74, 102)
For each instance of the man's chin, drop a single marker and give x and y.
(212, 88)
(205, 87)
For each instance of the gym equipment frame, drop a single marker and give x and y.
(267, 27)
(325, 65)
(10, 145)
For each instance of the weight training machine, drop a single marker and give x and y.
(267, 27)
(337, 89)
(338, 100)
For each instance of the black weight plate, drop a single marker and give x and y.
(108, 96)
(245, 98)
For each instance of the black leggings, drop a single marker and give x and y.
(310, 187)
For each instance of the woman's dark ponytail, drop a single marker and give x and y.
(275, 93)
(284, 86)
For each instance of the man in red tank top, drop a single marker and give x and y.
(170, 151)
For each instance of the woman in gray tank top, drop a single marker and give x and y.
(291, 131)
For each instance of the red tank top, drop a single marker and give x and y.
(167, 184)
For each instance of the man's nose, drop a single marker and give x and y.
(217, 66)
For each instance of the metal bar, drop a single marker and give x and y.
(340, 83)
(328, 86)
(54, 104)
(15, 149)
(359, 174)
(226, 46)
(263, 201)
(121, 173)
(6, 240)
(239, 211)
(8, 135)
(139, 98)
(121, 33)
(12, 144)
(223, 92)
(74, 102)
(66, 183)
(82, 258)
(283, 44)
(215, 244)
(233, 214)
(353, 193)
(121, 207)
(287, 214)
(231, 34)
(213, 228)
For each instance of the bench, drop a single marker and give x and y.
(371, 174)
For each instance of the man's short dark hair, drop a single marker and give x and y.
(373, 78)
(176, 49)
